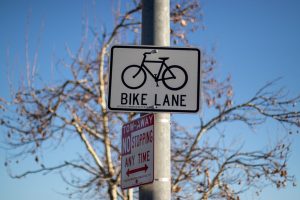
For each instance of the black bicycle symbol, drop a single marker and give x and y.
(173, 77)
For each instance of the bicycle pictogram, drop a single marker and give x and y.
(173, 77)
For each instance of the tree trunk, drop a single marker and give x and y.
(112, 191)
(205, 196)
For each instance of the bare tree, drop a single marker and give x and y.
(76, 107)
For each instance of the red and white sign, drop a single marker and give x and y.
(137, 152)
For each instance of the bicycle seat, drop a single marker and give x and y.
(163, 58)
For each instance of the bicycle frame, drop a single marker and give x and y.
(154, 76)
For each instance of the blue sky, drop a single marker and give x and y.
(256, 41)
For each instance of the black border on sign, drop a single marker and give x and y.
(154, 110)
(139, 184)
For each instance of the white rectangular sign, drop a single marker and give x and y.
(137, 152)
(154, 79)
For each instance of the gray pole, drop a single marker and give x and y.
(156, 31)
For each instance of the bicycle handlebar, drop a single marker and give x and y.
(151, 52)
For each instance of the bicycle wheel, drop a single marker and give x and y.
(133, 77)
(174, 77)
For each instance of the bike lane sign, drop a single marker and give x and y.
(137, 163)
(154, 79)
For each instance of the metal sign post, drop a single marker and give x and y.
(156, 31)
